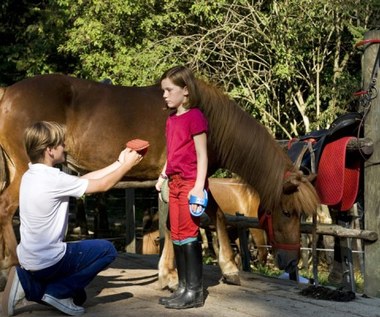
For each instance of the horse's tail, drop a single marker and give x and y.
(2, 93)
(4, 175)
(244, 146)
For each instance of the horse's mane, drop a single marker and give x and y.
(244, 146)
(305, 200)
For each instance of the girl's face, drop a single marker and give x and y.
(174, 96)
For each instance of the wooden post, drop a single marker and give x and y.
(130, 221)
(314, 250)
(244, 251)
(372, 173)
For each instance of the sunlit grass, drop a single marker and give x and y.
(271, 270)
(323, 271)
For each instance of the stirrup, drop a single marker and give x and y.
(201, 202)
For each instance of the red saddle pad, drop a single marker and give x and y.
(337, 180)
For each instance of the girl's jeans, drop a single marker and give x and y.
(82, 261)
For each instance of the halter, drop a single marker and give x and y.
(266, 222)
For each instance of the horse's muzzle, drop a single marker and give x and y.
(287, 260)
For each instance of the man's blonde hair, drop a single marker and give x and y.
(41, 135)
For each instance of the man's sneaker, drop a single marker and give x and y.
(65, 305)
(13, 293)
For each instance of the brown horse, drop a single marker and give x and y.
(233, 195)
(100, 118)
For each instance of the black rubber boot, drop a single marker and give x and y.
(193, 295)
(181, 270)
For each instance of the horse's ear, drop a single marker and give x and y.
(311, 177)
(290, 186)
(294, 179)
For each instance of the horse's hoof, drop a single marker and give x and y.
(169, 280)
(232, 279)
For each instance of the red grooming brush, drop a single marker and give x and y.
(140, 146)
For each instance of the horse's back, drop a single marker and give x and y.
(58, 97)
(99, 117)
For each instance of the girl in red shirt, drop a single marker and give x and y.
(186, 169)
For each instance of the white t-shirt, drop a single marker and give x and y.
(44, 202)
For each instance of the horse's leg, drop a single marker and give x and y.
(167, 274)
(203, 235)
(305, 254)
(260, 240)
(215, 244)
(8, 242)
(306, 241)
(226, 256)
(8, 250)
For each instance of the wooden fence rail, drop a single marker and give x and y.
(325, 229)
(364, 145)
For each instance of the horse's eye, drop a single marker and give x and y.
(286, 213)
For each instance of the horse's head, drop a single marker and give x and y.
(283, 224)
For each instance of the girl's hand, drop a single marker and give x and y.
(159, 183)
(198, 192)
(158, 186)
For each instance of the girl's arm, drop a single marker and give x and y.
(200, 141)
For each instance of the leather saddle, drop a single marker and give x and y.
(307, 149)
(323, 152)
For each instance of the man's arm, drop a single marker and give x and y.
(104, 179)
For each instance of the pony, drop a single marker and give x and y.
(100, 118)
(230, 195)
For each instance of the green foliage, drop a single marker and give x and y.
(31, 32)
(290, 63)
(300, 49)
(222, 173)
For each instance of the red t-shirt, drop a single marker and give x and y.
(181, 154)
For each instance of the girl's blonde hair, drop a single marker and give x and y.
(182, 76)
(41, 135)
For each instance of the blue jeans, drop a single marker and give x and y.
(82, 261)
